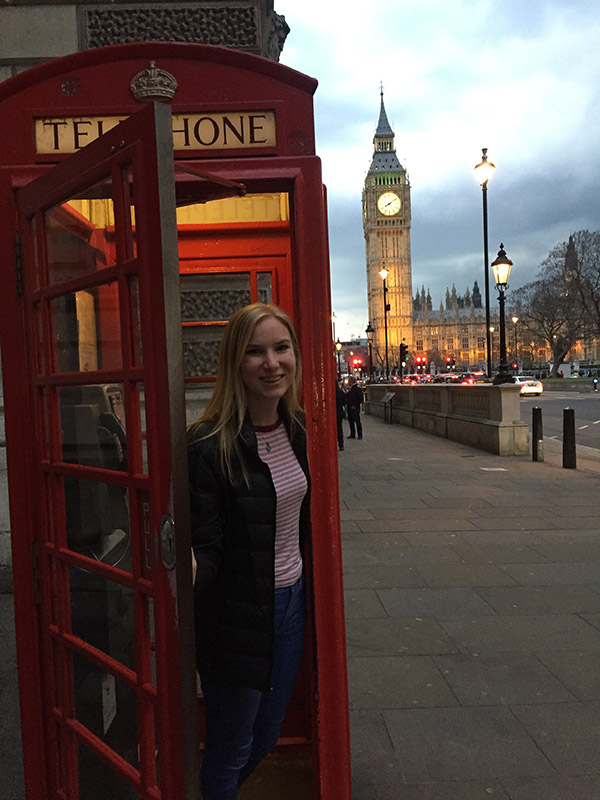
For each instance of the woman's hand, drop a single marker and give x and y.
(194, 568)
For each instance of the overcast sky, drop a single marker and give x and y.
(520, 78)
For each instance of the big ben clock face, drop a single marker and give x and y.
(388, 203)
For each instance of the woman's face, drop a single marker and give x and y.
(269, 365)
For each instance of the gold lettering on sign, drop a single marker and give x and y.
(214, 131)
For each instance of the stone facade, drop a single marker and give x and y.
(34, 31)
(455, 330)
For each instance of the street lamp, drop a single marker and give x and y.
(338, 347)
(515, 319)
(370, 331)
(484, 172)
(383, 273)
(501, 267)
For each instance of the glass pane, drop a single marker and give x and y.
(264, 285)
(102, 614)
(93, 425)
(80, 234)
(54, 577)
(97, 520)
(57, 663)
(44, 421)
(139, 464)
(135, 321)
(205, 298)
(97, 781)
(33, 269)
(40, 339)
(86, 330)
(130, 240)
(201, 350)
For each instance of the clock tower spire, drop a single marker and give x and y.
(386, 226)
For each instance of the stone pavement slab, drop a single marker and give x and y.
(472, 588)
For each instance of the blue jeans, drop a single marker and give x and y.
(243, 725)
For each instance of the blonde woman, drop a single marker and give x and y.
(250, 508)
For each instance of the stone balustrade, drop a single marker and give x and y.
(484, 416)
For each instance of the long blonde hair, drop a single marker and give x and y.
(228, 405)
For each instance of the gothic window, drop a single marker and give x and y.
(434, 344)
(465, 342)
(419, 344)
(450, 343)
(481, 341)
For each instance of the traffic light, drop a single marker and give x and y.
(403, 352)
(420, 363)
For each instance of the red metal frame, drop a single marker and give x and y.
(159, 702)
(303, 286)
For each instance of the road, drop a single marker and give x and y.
(587, 415)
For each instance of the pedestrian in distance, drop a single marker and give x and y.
(354, 399)
(340, 412)
(250, 516)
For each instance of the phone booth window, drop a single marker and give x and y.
(218, 276)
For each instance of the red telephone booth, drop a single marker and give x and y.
(137, 229)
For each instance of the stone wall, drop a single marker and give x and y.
(483, 416)
(33, 32)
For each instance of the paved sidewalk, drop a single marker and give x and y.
(473, 620)
(473, 623)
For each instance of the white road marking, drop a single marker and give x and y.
(583, 427)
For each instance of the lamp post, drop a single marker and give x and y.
(370, 331)
(338, 347)
(515, 319)
(484, 172)
(333, 319)
(501, 266)
(491, 329)
(383, 273)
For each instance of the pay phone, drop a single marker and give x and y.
(97, 522)
(93, 434)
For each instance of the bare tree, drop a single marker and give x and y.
(551, 308)
(585, 275)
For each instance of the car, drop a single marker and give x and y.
(529, 385)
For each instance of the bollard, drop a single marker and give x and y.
(537, 434)
(569, 454)
(595, 384)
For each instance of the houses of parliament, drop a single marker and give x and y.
(452, 331)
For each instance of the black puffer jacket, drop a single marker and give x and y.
(233, 536)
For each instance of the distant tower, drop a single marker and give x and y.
(386, 225)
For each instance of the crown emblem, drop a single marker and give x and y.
(153, 84)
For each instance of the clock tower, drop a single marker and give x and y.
(386, 225)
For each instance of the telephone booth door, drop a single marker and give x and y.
(106, 466)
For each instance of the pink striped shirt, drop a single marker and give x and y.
(275, 450)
